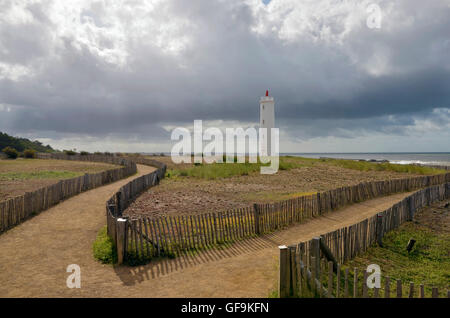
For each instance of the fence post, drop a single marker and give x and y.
(399, 288)
(346, 284)
(293, 271)
(411, 290)
(328, 254)
(387, 288)
(434, 292)
(121, 232)
(316, 253)
(355, 282)
(119, 206)
(338, 280)
(330, 279)
(380, 229)
(364, 285)
(412, 208)
(256, 213)
(284, 279)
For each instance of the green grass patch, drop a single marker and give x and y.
(428, 262)
(227, 170)
(10, 176)
(216, 170)
(104, 248)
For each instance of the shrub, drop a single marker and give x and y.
(70, 152)
(84, 153)
(29, 153)
(10, 152)
(103, 247)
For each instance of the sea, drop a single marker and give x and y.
(429, 158)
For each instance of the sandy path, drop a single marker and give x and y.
(35, 254)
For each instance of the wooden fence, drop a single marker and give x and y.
(119, 227)
(16, 210)
(330, 281)
(300, 264)
(146, 237)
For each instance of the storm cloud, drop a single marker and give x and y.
(117, 75)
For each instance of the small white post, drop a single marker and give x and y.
(121, 239)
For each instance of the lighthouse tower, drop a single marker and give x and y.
(266, 120)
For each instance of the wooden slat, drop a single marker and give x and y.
(175, 236)
(139, 223)
(144, 220)
(338, 281)
(434, 292)
(399, 289)
(194, 231)
(168, 234)
(330, 279)
(155, 232)
(411, 290)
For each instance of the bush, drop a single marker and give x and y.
(29, 153)
(104, 249)
(70, 152)
(84, 153)
(10, 152)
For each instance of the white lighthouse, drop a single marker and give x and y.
(266, 120)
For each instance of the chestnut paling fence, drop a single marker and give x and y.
(143, 238)
(16, 210)
(302, 270)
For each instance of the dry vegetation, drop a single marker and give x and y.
(23, 175)
(196, 189)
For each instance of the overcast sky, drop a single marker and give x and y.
(120, 75)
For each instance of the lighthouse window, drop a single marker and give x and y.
(263, 106)
(263, 121)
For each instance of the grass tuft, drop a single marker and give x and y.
(104, 248)
(427, 263)
(227, 170)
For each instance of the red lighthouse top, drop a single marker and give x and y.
(267, 92)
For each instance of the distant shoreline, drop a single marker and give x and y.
(420, 158)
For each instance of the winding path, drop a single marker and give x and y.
(34, 255)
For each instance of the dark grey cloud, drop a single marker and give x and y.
(130, 69)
